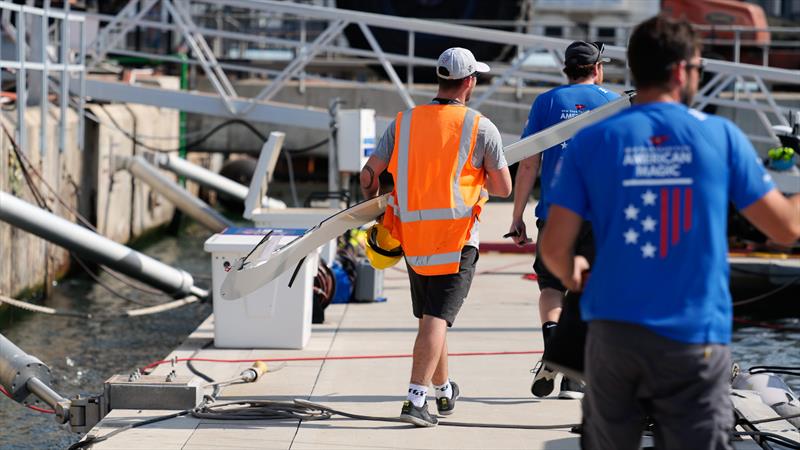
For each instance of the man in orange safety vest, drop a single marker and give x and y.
(445, 159)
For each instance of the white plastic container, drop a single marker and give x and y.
(274, 316)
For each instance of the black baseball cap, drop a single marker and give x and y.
(581, 53)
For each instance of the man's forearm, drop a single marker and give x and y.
(523, 184)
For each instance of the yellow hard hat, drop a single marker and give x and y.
(383, 251)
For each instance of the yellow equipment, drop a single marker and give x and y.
(383, 251)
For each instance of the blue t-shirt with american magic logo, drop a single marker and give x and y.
(552, 107)
(655, 180)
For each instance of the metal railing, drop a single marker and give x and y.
(34, 31)
(750, 82)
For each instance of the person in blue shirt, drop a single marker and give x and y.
(583, 65)
(655, 181)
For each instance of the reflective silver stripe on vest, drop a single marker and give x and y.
(463, 155)
(435, 260)
(460, 210)
(402, 162)
(435, 214)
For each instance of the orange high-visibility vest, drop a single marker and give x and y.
(438, 193)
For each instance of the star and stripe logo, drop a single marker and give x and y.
(656, 221)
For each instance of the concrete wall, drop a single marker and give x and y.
(120, 207)
(25, 260)
(123, 206)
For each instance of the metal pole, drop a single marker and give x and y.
(43, 103)
(737, 46)
(22, 97)
(45, 393)
(387, 66)
(95, 247)
(82, 92)
(410, 65)
(64, 96)
(22, 374)
(333, 171)
(182, 116)
(182, 199)
(303, 37)
(200, 175)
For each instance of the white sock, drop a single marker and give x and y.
(417, 394)
(444, 390)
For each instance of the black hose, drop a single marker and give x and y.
(260, 410)
(210, 133)
(200, 374)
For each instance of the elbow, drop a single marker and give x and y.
(364, 179)
(501, 187)
(500, 191)
(498, 183)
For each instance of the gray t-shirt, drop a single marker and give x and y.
(488, 153)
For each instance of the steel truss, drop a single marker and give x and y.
(750, 84)
(35, 30)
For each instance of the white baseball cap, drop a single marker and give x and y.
(456, 63)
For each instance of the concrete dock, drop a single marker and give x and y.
(500, 315)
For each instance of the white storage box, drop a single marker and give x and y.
(274, 316)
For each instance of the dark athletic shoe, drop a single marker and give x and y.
(544, 380)
(418, 416)
(571, 389)
(445, 405)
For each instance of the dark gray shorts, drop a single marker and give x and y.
(442, 295)
(584, 246)
(632, 372)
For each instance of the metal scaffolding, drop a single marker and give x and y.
(734, 85)
(47, 59)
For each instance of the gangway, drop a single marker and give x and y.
(742, 87)
(751, 83)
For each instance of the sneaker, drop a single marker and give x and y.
(418, 416)
(571, 389)
(543, 380)
(444, 405)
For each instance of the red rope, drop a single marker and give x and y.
(35, 408)
(330, 358)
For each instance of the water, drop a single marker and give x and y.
(83, 354)
(762, 346)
